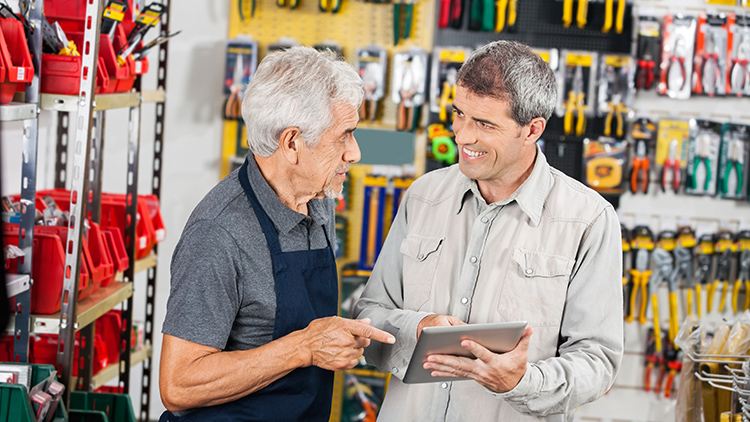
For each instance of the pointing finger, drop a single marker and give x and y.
(371, 332)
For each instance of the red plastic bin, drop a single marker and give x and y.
(47, 268)
(116, 246)
(114, 215)
(16, 58)
(152, 202)
(87, 265)
(45, 352)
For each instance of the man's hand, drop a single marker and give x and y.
(437, 320)
(336, 343)
(498, 372)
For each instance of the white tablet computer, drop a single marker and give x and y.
(498, 337)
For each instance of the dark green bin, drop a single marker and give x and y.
(15, 404)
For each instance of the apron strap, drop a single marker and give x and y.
(265, 222)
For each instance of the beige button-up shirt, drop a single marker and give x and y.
(551, 254)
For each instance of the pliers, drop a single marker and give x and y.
(625, 234)
(664, 272)
(743, 275)
(722, 275)
(646, 62)
(406, 94)
(709, 75)
(332, 6)
(576, 105)
(581, 16)
(617, 108)
(676, 73)
(702, 154)
(608, 13)
(283, 3)
(368, 109)
(640, 163)
(702, 277)
(242, 5)
(502, 8)
(639, 275)
(408, 7)
(447, 95)
(671, 165)
(684, 258)
(740, 74)
(734, 161)
(451, 13)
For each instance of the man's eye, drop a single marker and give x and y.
(458, 113)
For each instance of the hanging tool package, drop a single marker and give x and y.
(703, 156)
(676, 58)
(409, 86)
(577, 86)
(734, 161)
(149, 17)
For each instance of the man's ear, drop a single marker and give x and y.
(291, 144)
(534, 130)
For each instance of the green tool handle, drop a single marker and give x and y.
(408, 15)
(696, 162)
(336, 6)
(488, 15)
(396, 23)
(740, 180)
(728, 172)
(475, 14)
(707, 183)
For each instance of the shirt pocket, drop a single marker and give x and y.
(535, 288)
(421, 254)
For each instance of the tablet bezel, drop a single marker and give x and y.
(498, 337)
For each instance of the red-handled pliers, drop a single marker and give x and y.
(640, 162)
(671, 165)
(676, 74)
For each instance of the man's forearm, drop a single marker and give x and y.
(222, 377)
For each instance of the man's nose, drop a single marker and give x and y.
(352, 153)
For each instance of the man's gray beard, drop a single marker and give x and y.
(331, 193)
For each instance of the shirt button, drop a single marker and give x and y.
(464, 300)
(394, 370)
(420, 256)
(444, 385)
(485, 219)
(473, 259)
(529, 271)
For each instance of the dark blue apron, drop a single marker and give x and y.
(306, 289)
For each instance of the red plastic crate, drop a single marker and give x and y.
(14, 53)
(108, 327)
(114, 215)
(86, 263)
(116, 247)
(152, 203)
(45, 352)
(103, 270)
(47, 268)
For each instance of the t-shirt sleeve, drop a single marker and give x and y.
(204, 296)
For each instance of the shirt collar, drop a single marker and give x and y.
(530, 196)
(282, 217)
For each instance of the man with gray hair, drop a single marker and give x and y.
(500, 237)
(250, 332)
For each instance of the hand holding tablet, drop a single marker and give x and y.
(446, 340)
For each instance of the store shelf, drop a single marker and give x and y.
(16, 283)
(17, 111)
(153, 96)
(142, 264)
(89, 309)
(112, 370)
(69, 103)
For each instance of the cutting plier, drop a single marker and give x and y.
(332, 6)
(640, 165)
(671, 165)
(447, 95)
(684, 258)
(702, 155)
(664, 272)
(242, 6)
(743, 275)
(576, 105)
(722, 276)
(406, 93)
(708, 77)
(639, 276)
(740, 74)
(734, 162)
(702, 277)
(581, 16)
(676, 72)
(646, 63)
(368, 109)
(408, 8)
(609, 14)
(674, 363)
(505, 8)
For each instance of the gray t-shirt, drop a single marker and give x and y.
(223, 293)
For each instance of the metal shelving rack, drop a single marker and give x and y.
(89, 117)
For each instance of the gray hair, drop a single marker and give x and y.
(297, 87)
(512, 72)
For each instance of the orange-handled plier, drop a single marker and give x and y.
(640, 165)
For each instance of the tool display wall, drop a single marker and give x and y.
(79, 168)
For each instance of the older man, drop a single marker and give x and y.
(250, 332)
(501, 236)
